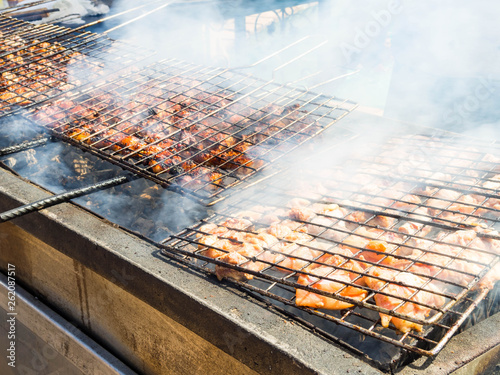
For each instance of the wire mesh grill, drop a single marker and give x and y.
(206, 128)
(40, 62)
(396, 243)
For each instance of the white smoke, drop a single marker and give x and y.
(420, 62)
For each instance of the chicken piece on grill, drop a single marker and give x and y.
(286, 230)
(489, 280)
(198, 178)
(355, 243)
(492, 186)
(323, 209)
(215, 247)
(241, 257)
(296, 235)
(330, 251)
(332, 280)
(238, 223)
(380, 199)
(441, 199)
(233, 242)
(299, 257)
(478, 249)
(229, 229)
(211, 228)
(413, 227)
(408, 290)
(322, 219)
(460, 211)
(408, 202)
(370, 219)
(328, 229)
(79, 134)
(265, 215)
(380, 249)
(378, 242)
(298, 203)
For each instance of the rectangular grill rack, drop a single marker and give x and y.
(444, 247)
(206, 129)
(39, 62)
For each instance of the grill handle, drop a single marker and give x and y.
(23, 146)
(61, 198)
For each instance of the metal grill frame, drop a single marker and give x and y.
(315, 111)
(459, 306)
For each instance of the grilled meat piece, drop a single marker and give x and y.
(408, 290)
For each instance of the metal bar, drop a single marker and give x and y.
(450, 332)
(60, 198)
(23, 146)
(18, 7)
(275, 53)
(141, 16)
(333, 79)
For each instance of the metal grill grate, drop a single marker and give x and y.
(206, 128)
(40, 62)
(407, 231)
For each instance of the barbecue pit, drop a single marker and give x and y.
(230, 344)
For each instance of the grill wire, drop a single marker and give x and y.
(206, 128)
(425, 229)
(40, 62)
